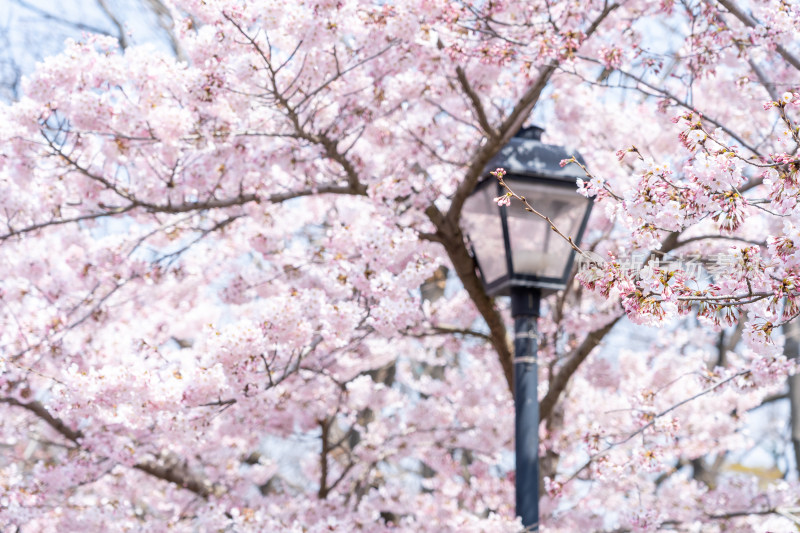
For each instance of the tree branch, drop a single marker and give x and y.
(49, 16)
(174, 472)
(680, 403)
(447, 226)
(121, 37)
(134, 202)
(505, 132)
(39, 410)
(477, 106)
(448, 330)
(166, 23)
(452, 239)
(558, 383)
(291, 112)
(684, 104)
(750, 22)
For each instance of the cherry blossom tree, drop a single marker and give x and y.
(236, 295)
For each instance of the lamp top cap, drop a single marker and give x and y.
(526, 155)
(533, 133)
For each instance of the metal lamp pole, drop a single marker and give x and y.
(525, 310)
(534, 170)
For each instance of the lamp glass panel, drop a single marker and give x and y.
(535, 248)
(481, 221)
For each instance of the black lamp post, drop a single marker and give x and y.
(519, 255)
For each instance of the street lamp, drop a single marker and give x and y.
(519, 255)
